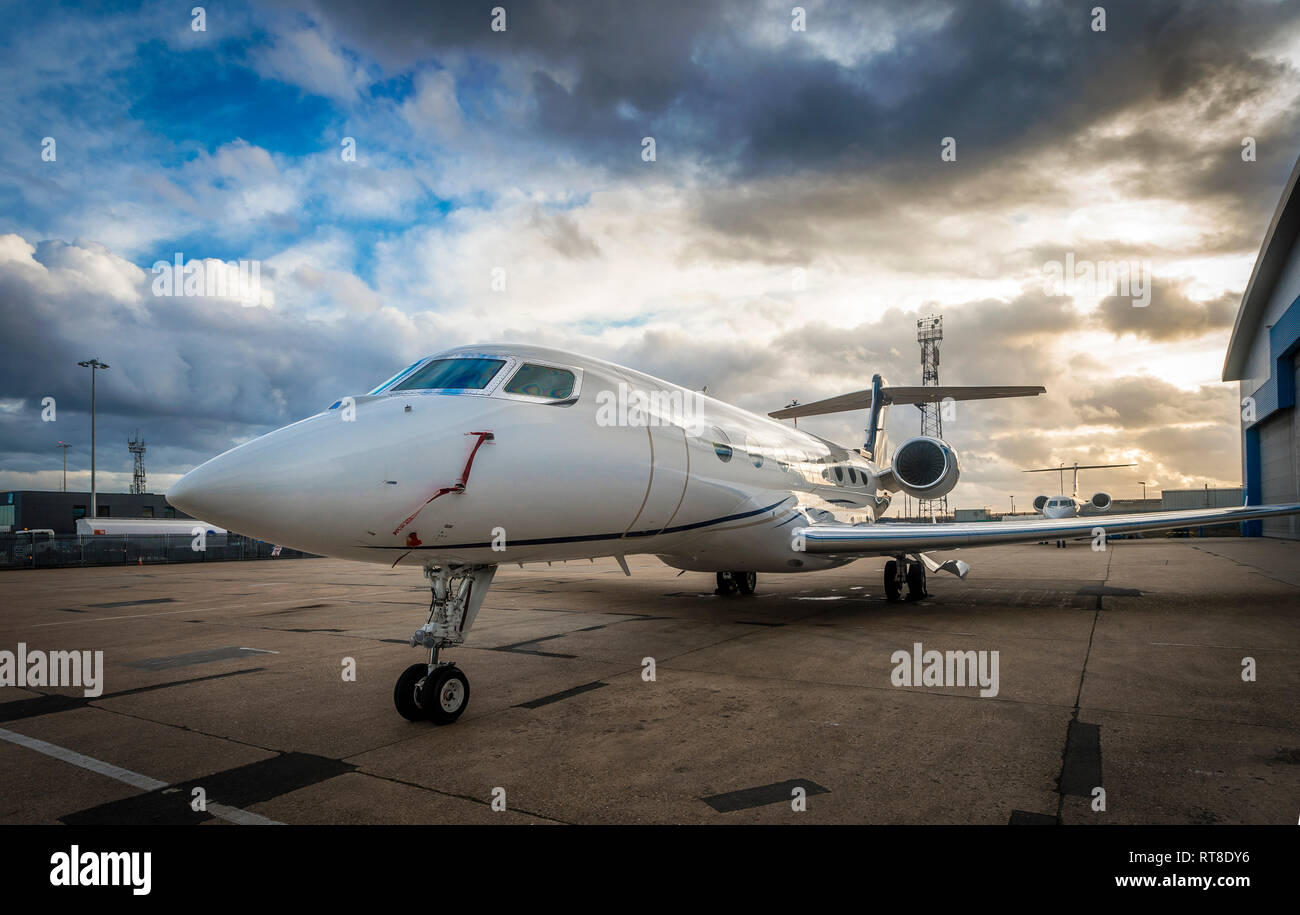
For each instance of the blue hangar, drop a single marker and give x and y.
(1262, 359)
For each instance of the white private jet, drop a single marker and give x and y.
(1063, 506)
(508, 453)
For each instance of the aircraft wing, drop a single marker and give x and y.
(890, 539)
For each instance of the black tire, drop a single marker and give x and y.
(892, 590)
(916, 581)
(745, 581)
(727, 583)
(445, 695)
(405, 693)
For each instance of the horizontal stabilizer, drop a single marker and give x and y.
(1065, 467)
(858, 400)
(861, 400)
(937, 392)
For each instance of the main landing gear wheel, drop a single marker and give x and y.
(893, 586)
(912, 575)
(737, 582)
(916, 581)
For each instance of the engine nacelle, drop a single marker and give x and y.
(1040, 503)
(925, 467)
(1101, 501)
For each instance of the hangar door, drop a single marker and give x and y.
(1277, 467)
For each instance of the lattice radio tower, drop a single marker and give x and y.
(136, 447)
(929, 333)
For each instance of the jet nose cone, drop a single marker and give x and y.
(333, 478)
(180, 494)
(256, 488)
(193, 492)
(259, 487)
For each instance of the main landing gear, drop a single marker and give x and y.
(438, 691)
(902, 571)
(737, 582)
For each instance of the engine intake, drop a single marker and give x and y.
(1101, 501)
(925, 467)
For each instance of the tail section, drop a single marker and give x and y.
(877, 444)
(878, 397)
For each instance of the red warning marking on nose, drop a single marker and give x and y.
(412, 539)
(459, 486)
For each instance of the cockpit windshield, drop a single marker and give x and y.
(446, 374)
(402, 374)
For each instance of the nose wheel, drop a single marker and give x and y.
(438, 696)
(438, 691)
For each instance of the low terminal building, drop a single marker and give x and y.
(1262, 358)
(31, 509)
(1182, 499)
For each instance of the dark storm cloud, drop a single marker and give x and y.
(193, 374)
(999, 76)
(1140, 402)
(1170, 315)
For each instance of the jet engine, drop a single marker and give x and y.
(925, 467)
(1101, 501)
(1040, 503)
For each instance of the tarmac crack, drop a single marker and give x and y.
(1081, 755)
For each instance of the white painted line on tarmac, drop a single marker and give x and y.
(134, 779)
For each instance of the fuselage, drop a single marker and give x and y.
(538, 455)
(1061, 507)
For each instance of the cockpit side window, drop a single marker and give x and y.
(541, 381)
(457, 374)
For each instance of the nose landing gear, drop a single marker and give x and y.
(438, 691)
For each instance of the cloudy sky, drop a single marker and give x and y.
(811, 193)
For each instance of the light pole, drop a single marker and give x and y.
(1013, 505)
(65, 446)
(93, 365)
(1144, 489)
